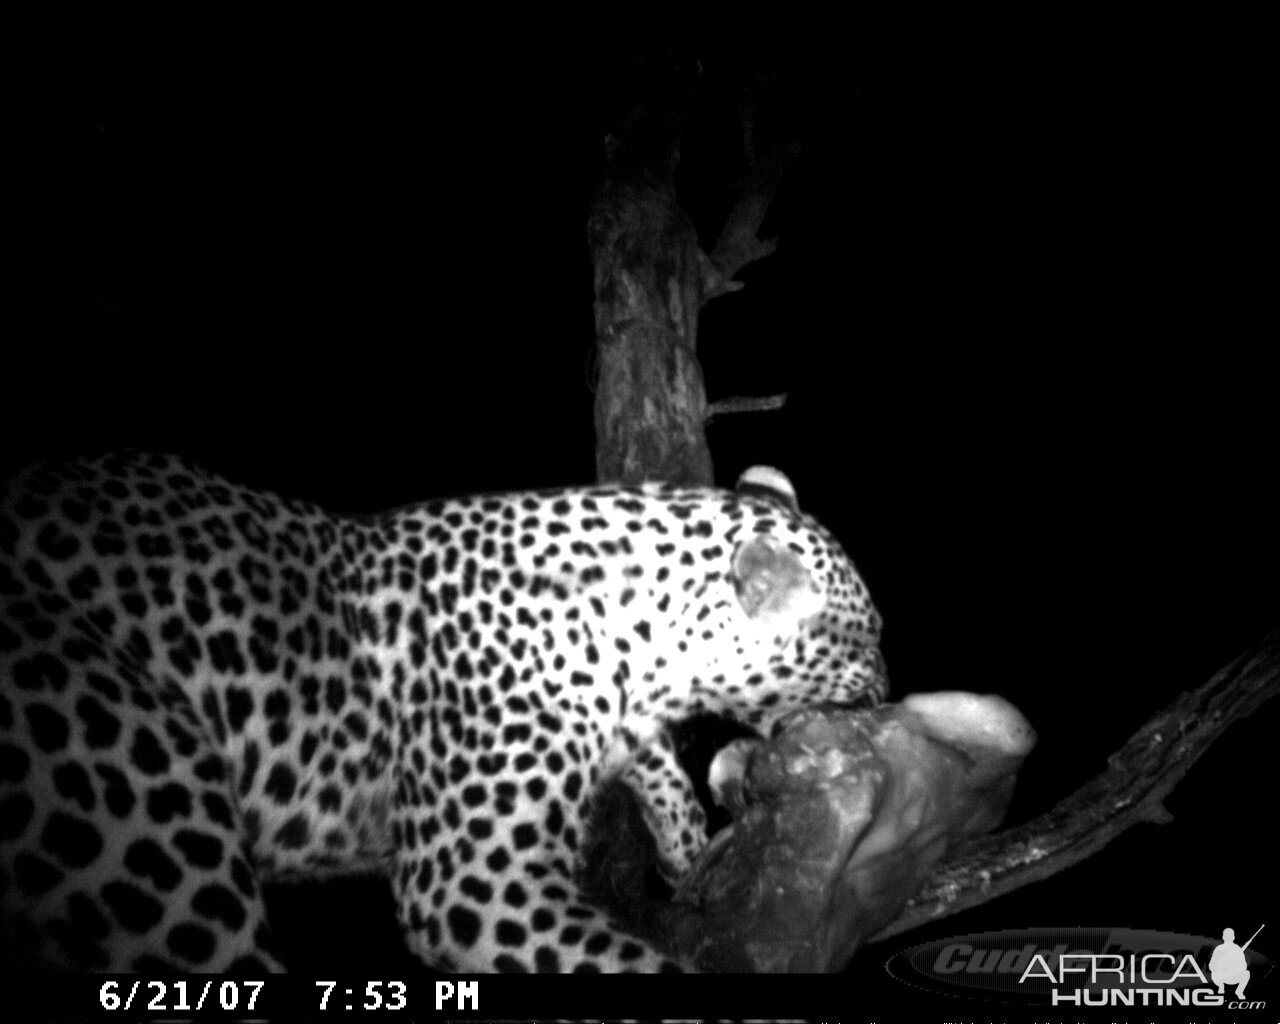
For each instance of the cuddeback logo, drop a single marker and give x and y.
(1089, 967)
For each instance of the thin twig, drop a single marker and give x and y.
(745, 403)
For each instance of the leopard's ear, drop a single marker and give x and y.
(774, 588)
(768, 482)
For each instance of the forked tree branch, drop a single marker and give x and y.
(739, 242)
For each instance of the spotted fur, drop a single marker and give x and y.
(205, 686)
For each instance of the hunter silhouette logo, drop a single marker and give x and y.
(1227, 965)
(1079, 967)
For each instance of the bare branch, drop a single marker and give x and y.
(1132, 789)
(745, 403)
(738, 244)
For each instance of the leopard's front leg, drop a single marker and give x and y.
(668, 804)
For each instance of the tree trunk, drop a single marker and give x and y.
(649, 281)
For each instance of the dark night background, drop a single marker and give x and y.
(1018, 306)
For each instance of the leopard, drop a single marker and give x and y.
(207, 687)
